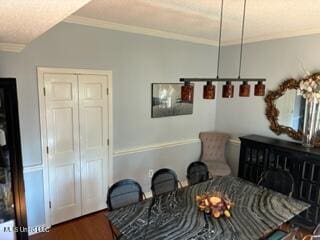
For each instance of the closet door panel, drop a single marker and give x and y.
(93, 102)
(63, 146)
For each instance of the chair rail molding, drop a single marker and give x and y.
(157, 146)
(33, 168)
(235, 141)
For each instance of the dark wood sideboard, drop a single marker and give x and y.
(260, 153)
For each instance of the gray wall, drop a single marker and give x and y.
(136, 61)
(275, 60)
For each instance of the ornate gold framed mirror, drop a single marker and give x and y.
(285, 109)
(283, 101)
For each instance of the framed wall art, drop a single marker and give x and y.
(166, 100)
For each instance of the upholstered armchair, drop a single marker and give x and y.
(213, 152)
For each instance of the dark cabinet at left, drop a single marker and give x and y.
(13, 219)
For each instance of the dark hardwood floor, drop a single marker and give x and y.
(91, 227)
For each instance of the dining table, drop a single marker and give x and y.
(256, 212)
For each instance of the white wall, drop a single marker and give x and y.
(136, 61)
(275, 60)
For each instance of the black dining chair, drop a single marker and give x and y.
(278, 180)
(164, 180)
(123, 193)
(197, 172)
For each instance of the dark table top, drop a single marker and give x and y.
(256, 213)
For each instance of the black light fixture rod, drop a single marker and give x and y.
(242, 34)
(222, 80)
(220, 34)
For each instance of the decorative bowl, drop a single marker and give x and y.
(214, 204)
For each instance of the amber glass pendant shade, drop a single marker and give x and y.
(227, 90)
(259, 89)
(209, 91)
(244, 90)
(187, 92)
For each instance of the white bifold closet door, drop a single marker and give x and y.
(93, 113)
(77, 137)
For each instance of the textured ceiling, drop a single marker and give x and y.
(23, 20)
(266, 19)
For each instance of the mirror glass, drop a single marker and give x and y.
(291, 109)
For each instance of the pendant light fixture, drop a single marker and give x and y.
(259, 89)
(187, 92)
(244, 89)
(209, 91)
(228, 88)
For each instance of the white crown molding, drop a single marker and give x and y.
(169, 35)
(274, 36)
(11, 47)
(138, 30)
(16, 48)
(153, 147)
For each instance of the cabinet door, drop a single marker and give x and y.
(252, 161)
(63, 145)
(93, 141)
(308, 186)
